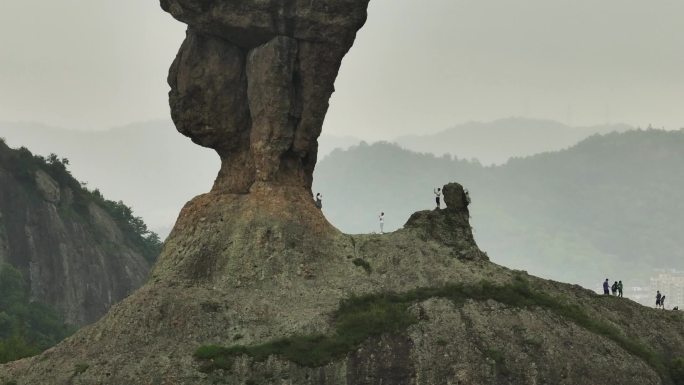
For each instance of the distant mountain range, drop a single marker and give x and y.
(611, 206)
(498, 141)
(156, 170)
(148, 165)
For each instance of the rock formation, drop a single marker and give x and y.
(254, 286)
(77, 258)
(252, 81)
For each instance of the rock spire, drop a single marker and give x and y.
(252, 80)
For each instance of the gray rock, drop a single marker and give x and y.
(455, 197)
(252, 81)
(47, 187)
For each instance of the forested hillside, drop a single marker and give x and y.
(26, 327)
(610, 206)
(67, 253)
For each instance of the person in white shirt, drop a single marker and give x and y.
(381, 218)
(438, 196)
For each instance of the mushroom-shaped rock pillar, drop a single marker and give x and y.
(253, 79)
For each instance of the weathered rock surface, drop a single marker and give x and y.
(79, 263)
(252, 81)
(251, 268)
(255, 261)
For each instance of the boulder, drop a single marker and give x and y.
(252, 81)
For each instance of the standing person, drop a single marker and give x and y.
(606, 287)
(662, 302)
(620, 289)
(381, 218)
(614, 288)
(658, 295)
(319, 200)
(438, 197)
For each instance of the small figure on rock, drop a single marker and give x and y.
(658, 297)
(619, 287)
(319, 200)
(614, 288)
(438, 197)
(606, 287)
(662, 302)
(381, 218)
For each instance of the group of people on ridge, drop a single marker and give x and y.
(381, 218)
(616, 288)
(660, 301)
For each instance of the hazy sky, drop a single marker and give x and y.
(418, 65)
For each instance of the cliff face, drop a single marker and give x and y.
(254, 286)
(75, 255)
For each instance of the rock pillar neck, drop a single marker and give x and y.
(260, 108)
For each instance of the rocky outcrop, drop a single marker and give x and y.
(75, 255)
(449, 226)
(252, 81)
(253, 273)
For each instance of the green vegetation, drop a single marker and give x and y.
(499, 359)
(80, 368)
(26, 328)
(23, 165)
(360, 318)
(362, 263)
(677, 371)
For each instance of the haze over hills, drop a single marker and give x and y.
(610, 206)
(112, 160)
(496, 142)
(178, 170)
(67, 254)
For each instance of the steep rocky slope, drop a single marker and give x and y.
(77, 258)
(254, 286)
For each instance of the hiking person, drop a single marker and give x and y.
(438, 196)
(381, 218)
(606, 286)
(662, 302)
(319, 200)
(658, 295)
(619, 287)
(614, 288)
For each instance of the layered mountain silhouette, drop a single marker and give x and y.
(497, 141)
(609, 206)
